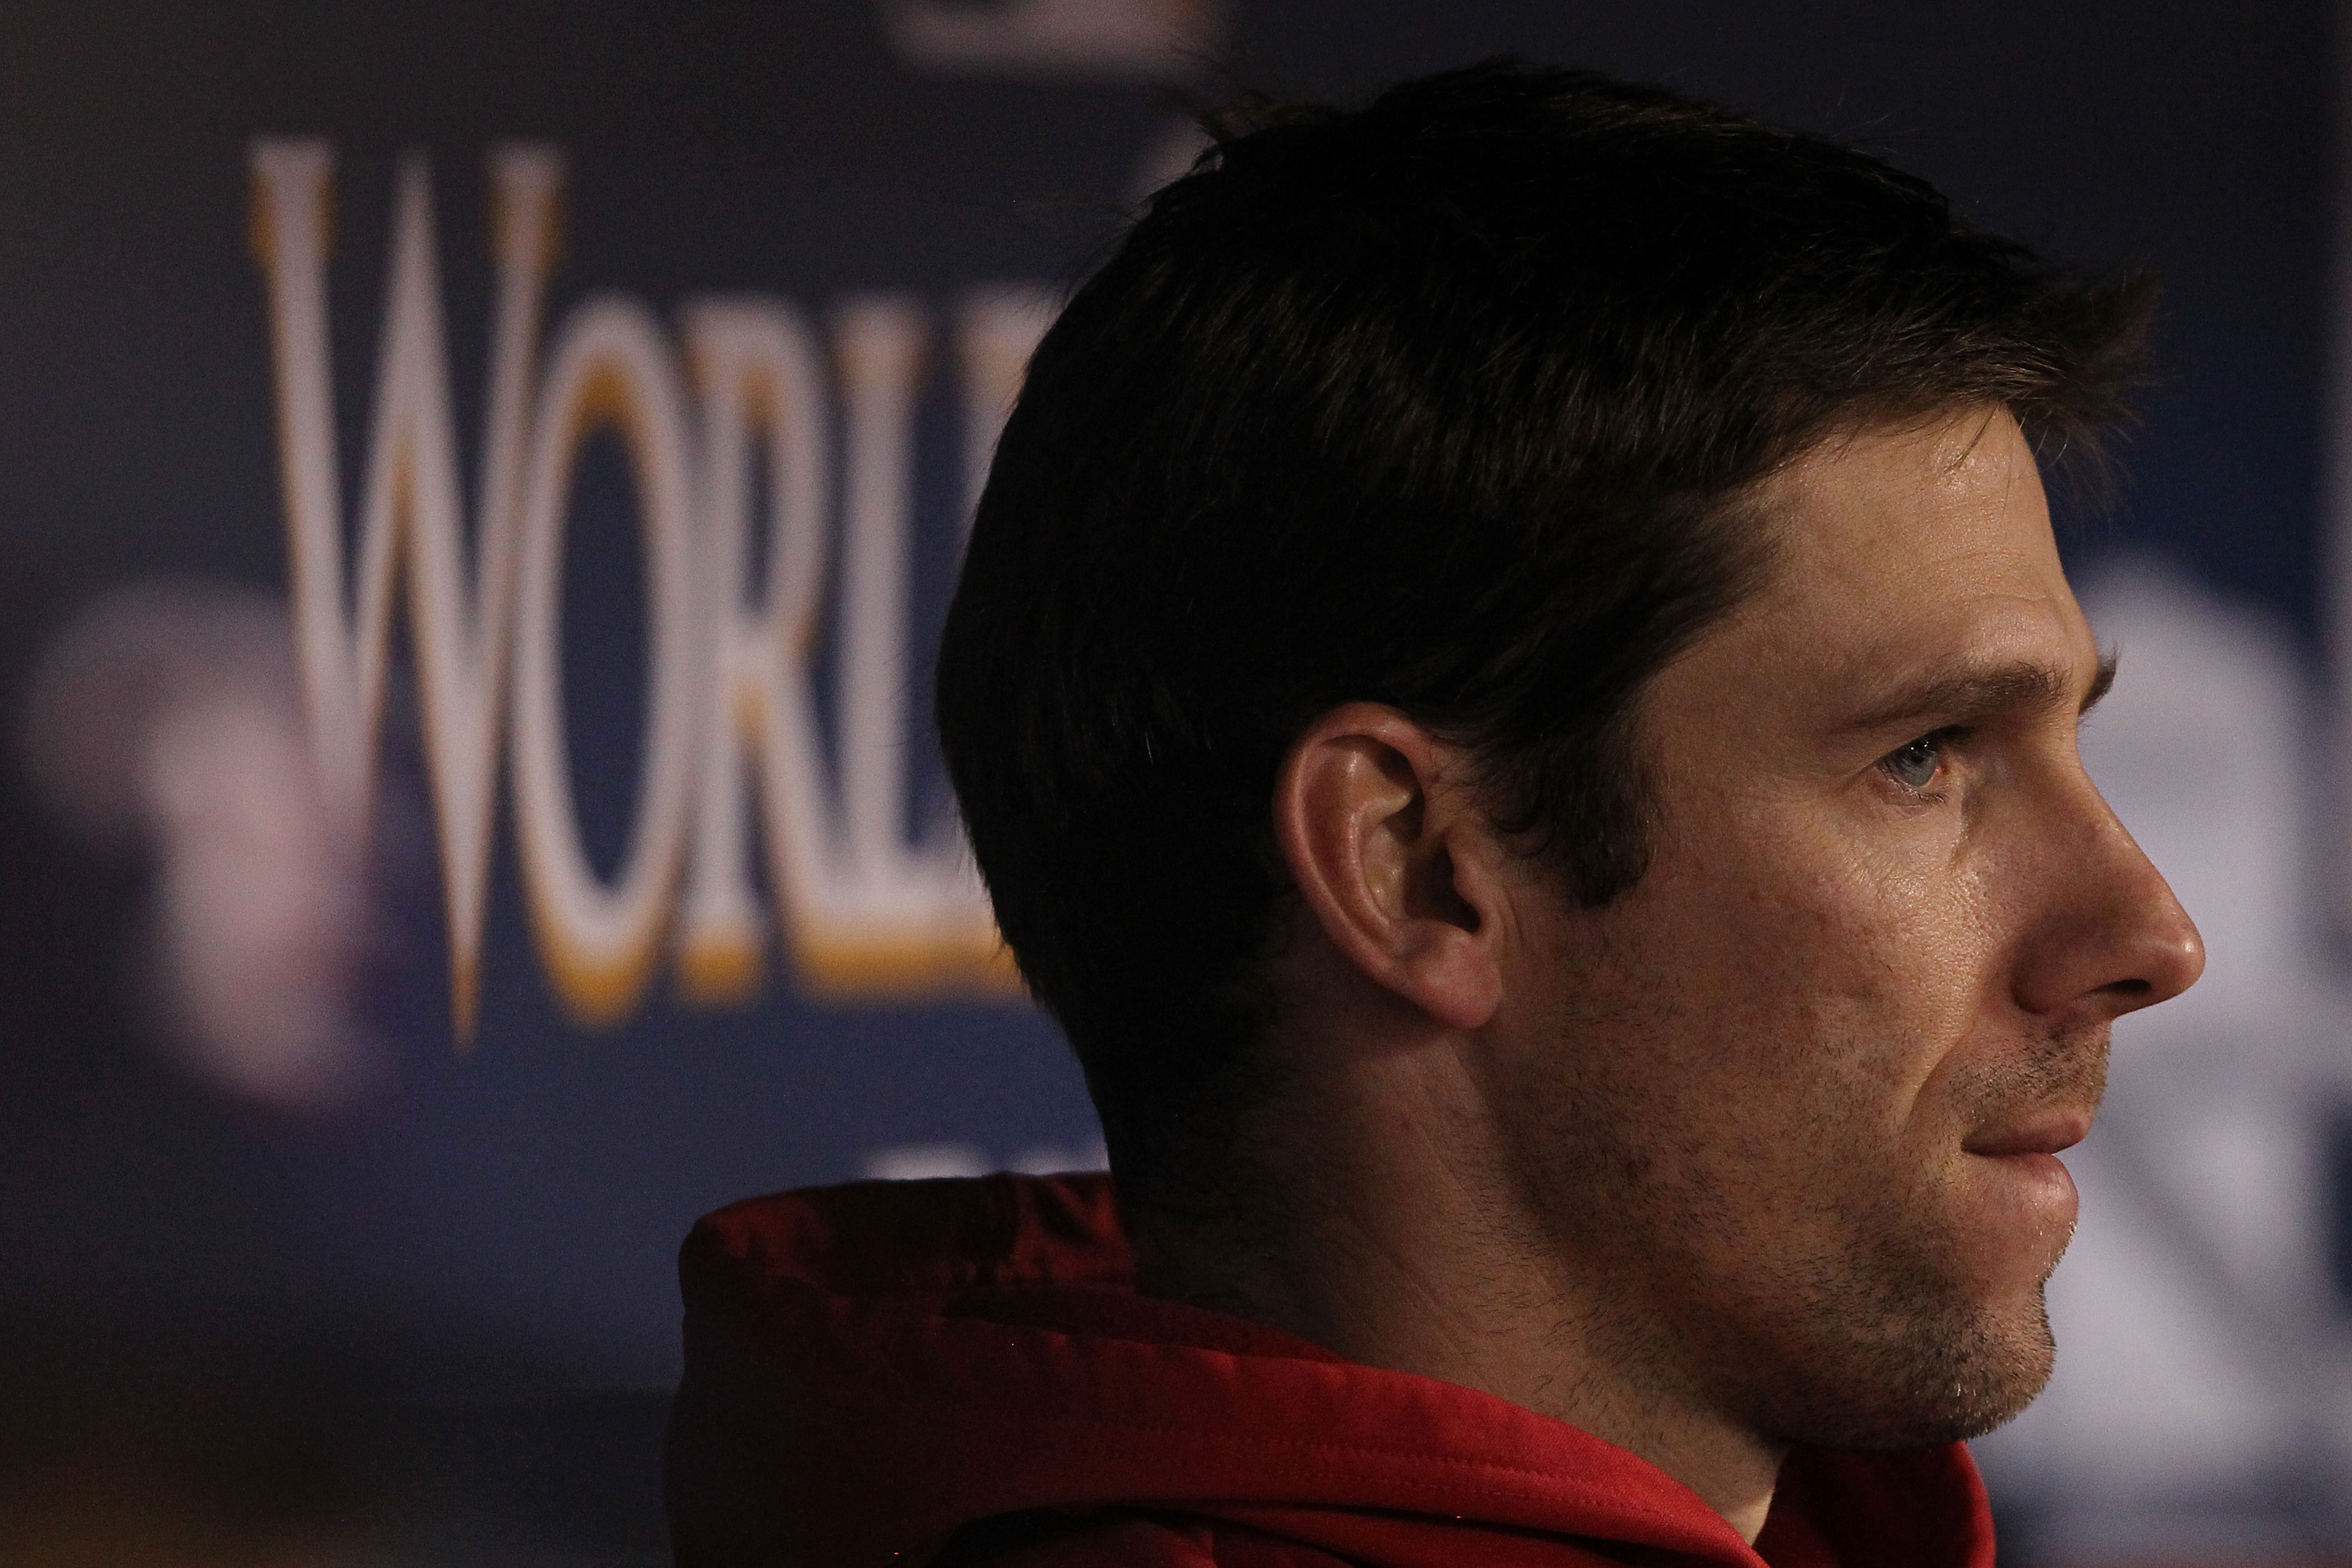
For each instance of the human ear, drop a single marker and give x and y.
(1394, 861)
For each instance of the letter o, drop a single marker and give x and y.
(610, 366)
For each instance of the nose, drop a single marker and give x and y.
(2112, 938)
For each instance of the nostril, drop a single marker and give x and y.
(2131, 988)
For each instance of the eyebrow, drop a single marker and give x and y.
(1962, 695)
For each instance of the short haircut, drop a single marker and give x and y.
(1449, 402)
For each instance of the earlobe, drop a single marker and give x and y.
(1392, 860)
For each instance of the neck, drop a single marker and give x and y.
(1378, 1221)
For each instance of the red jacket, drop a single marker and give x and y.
(872, 1370)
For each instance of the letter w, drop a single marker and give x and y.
(410, 511)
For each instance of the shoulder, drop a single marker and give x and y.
(1122, 1538)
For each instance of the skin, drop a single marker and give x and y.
(1762, 1151)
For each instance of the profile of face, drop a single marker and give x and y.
(1806, 1082)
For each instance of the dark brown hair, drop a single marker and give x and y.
(1444, 403)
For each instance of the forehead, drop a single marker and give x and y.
(1907, 545)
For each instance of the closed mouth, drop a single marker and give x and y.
(2047, 1134)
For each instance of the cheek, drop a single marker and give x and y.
(1816, 966)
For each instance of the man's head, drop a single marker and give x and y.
(1468, 548)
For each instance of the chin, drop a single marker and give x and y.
(1929, 1378)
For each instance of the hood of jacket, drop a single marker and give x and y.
(870, 1367)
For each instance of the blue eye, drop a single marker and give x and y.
(1915, 766)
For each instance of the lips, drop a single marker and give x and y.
(2044, 1134)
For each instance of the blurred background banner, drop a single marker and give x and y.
(478, 486)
